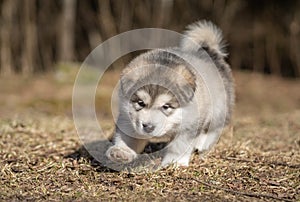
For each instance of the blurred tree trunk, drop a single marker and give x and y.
(162, 12)
(126, 15)
(258, 46)
(7, 15)
(66, 52)
(273, 56)
(107, 21)
(295, 42)
(48, 33)
(29, 52)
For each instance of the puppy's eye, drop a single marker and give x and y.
(141, 103)
(166, 106)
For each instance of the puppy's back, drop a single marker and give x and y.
(203, 38)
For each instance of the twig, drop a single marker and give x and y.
(250, 194)
(264, 162)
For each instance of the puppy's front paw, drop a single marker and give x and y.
(120, 154)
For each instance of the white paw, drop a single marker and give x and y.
(178, 162)
(120, 154)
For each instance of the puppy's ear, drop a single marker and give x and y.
(187, 80)
(126, 84)
(189, 77)
(129, 78)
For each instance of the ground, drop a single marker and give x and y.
(41, 158)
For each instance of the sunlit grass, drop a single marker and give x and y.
(41, 157)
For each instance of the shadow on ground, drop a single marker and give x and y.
(94, 152)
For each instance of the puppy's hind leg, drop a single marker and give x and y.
(204, 142)
(179, 151)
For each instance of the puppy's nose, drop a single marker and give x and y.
(148, 127)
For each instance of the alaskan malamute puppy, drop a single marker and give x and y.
(167, 95)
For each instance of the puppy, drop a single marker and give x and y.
(183, 95)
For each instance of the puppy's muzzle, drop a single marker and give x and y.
(148, 127)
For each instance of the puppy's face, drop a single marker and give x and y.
(154, 111)
(154, 95)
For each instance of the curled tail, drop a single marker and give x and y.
(206, 35)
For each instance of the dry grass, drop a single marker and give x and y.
(257, 158)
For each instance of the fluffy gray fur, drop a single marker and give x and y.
(164, 98)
